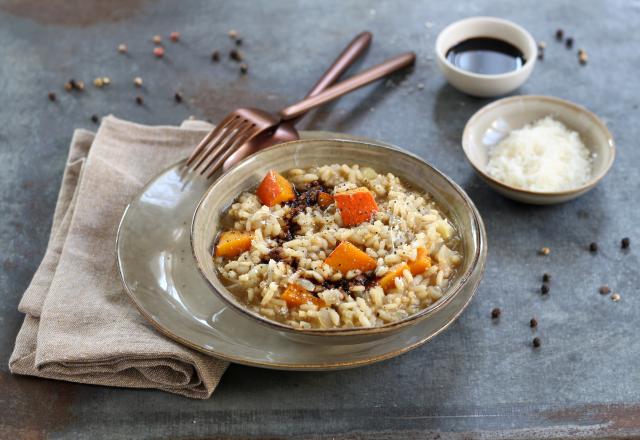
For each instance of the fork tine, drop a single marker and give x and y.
(227, 145)
(216, 145)
(247, 137)
(209, 137)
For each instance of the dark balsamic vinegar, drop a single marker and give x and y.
(487, 56)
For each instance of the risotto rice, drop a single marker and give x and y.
(346, 247)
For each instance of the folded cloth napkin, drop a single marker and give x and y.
(80, 326)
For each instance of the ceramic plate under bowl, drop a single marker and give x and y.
(160, 276)
(493, 122)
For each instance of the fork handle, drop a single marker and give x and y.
(349, 85)
(352, 52)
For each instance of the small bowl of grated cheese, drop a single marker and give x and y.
(538, 149)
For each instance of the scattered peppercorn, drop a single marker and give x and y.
(604, 290)
(625, 243)
(582, 57)
(536, 342)
(52, 96)
(235, 55)
(541, 54)
(137, 81)
(122, 48)
(175, 36)
(615, 297)
(106, 80)
(569, 42)
(139, 100)
(244, 68)
(533, 323)
(238, 41)
(158, 51)
(544, 251)
(559, 34)
(215, 56)
(233, 34)
(94, 119)
(495, 313)
(80, 85)
(546, 277)
(98, 82)
(544, 289)
(157, 39)
(178, 97)
(68, 86)
(593, 247)
(541, 45)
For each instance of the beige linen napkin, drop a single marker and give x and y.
(79, 324)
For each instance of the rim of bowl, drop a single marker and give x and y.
(530, 41)
(477, 262)
(556, 101)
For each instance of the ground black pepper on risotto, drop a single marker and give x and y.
(335, 247)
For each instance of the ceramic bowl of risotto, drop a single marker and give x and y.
(337, 239)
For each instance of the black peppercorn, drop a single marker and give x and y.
(238, 41)
(95, 119)
(625, 243)
(244, 68)
(52, 96)
(544, 289)
(546, 277)
(604, 290)
(536, 342)
(139, 100)
(569, 42)
(215, 56)
(533, 323)
(593, 247)
(178, 97)
(495, 313)
(559, 34)
(235, 55)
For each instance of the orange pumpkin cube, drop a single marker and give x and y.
(355, 206)
(388, 280)
(324, 199)
(275, 189)
(421, 263)
(346, 257)
(295, 295)
(233, 243)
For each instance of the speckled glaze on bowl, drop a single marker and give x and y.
(305, 153)
(493, 122)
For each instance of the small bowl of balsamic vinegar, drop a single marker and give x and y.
(486, 56)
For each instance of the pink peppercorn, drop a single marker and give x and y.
(175, 36)
(158, 51)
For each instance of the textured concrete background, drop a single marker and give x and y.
(479, 379)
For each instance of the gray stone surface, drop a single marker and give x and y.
(478, 379)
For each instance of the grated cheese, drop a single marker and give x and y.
(544, 156)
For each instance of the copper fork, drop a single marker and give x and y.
(286, 131)
(245, 124)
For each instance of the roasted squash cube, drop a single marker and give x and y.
(295, 295)
(233, 243)
(275, 189)
(355, 206)
(324, 199)
(346, 257)
(388, 280)
(421, 263)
